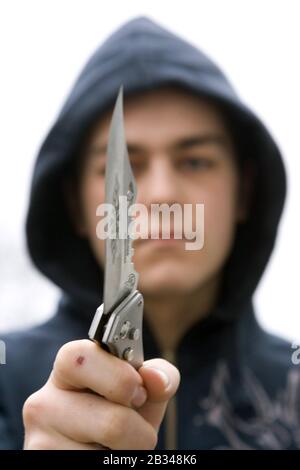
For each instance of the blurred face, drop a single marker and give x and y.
(180, 152)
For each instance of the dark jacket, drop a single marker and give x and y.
(239, 387)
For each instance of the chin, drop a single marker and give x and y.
(167, 279)
(170, 270)
(153, 287)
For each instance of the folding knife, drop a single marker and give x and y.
(117, 324)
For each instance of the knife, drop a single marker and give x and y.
(117, 324)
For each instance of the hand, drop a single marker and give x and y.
(94, 400)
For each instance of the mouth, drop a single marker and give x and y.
(164, 240)
(161, 239)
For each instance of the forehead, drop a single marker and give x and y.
(162, 115)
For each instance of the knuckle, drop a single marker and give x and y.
(33, 409)
(67, 355)
(114, 428)
(152, 438)
(39, 442)
(120, 427)
(63, 357)
(147, 438)
(127, 381)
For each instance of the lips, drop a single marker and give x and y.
(158, 238)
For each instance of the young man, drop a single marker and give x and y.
(190, 140)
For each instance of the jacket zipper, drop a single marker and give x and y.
(171, 411)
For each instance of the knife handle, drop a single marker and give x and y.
(121, 331)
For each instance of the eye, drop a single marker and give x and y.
(137, 166)
(195, 163)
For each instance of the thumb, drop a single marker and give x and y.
(161, 380)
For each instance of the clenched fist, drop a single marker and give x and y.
(94, 400)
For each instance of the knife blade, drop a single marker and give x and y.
(117, 324)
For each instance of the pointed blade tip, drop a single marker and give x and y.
(120, 94)
(118, 108)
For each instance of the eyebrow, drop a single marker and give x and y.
(201, 139)
(185, 143)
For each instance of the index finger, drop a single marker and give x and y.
(81, 365)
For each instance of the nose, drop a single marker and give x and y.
(159, 183)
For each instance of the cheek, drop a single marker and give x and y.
(220, 216)
(92, 194)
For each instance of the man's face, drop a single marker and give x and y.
(180, 152)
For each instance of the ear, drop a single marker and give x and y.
(72, 201)
(246, 190)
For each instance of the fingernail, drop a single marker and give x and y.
(164, 377)
(162, 374)
(139, 397)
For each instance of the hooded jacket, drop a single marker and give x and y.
(239, 388)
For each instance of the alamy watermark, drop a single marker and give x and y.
(2, 352)
(296, 353)
(163, 221)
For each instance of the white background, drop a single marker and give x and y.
(44, 44)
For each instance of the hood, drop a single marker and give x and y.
(142, 55)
